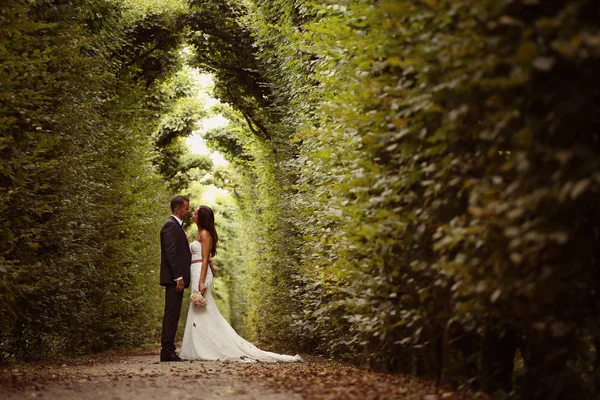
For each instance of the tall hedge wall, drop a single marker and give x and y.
(80, 201)
(436, 182)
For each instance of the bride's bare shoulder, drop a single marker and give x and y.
(203, 234)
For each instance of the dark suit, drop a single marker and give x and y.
(175, 260)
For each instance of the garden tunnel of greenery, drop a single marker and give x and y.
(415, 184)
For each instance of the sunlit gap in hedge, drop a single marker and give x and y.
(208, 194)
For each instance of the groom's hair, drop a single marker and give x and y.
(178, 201)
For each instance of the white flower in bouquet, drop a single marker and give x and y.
(197, 299)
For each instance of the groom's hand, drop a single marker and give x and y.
(179, 286)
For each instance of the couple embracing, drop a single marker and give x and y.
(207, 335)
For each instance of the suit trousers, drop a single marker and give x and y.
(173, 301)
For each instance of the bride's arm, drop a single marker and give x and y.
(206, 241)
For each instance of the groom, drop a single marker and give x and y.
(175, 260)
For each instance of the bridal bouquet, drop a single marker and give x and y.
(197, 299)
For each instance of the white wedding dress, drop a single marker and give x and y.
(208, 336)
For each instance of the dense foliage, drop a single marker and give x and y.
(415, 182)
(80, 202)
(424, 199)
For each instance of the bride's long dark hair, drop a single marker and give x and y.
(206, 220)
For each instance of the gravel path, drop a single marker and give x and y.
(138, 375)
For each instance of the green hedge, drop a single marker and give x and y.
(80, 201)
(427, 189)
(416, 181)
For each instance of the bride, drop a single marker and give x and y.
(207, 334)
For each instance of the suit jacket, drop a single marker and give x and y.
(175, 255)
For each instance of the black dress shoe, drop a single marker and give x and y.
(169, 357)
